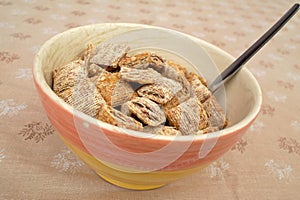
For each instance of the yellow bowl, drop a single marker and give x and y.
(132, 159)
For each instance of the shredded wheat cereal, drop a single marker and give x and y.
(143, 92)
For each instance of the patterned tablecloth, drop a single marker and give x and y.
(264, 164)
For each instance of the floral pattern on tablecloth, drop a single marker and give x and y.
(2, 154)
(8, 107)
(218, 169)
(264, 164)
(279, 170)
(36, 131)
(66, 161)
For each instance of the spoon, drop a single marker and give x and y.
(232, 69)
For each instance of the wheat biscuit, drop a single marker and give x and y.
(188, 117)
(147, 111)
(162, 130)
(94, 70)
(162, 91)
(114, 90)
(83, 97)
(141, 76)
(215, 113)
(200, 90)
(169, 130)
(108, 54)
(142, 61)
(177, 67)
(65, 77)
(207, 130)
(177, 75)
(112, 116)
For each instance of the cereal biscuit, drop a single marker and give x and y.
(178, 68)
(122, 93)
(200, 90)
(114, 90)
(65, 77)
(125, 109)
(162, 91)
(108, 54)
(207, 130)
(83, 97)
(142, 61)
(152, 129)
(94, 70)
(179, 76)
(215, 113)
(169, 130)
(141, 76)
(112, 116)
(147, 111)
(162, 130)
(188, 117)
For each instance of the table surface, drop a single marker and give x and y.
(264, 164)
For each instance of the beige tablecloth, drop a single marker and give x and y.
(265, 164)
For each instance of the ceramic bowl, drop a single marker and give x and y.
(132, 159)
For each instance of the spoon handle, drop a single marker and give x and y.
(240, 61)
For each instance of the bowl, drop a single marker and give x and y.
(132, 159)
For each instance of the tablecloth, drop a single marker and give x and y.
(264, 164)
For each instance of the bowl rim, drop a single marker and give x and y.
(40, 82)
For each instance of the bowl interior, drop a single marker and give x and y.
(242, 93)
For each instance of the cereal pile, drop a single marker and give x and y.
(141, 92)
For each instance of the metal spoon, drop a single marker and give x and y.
(232, 69)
